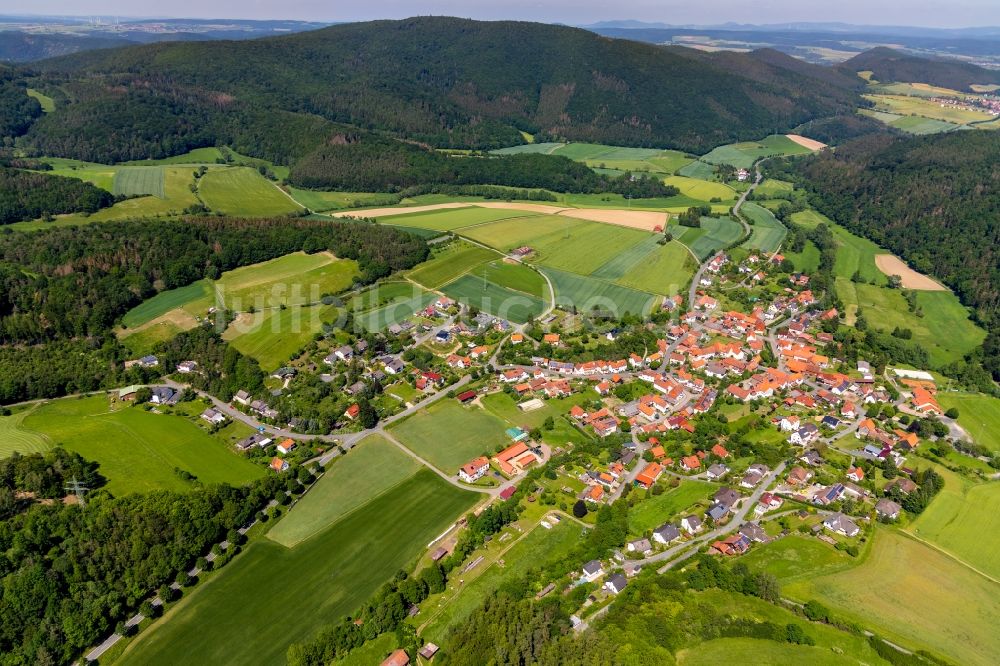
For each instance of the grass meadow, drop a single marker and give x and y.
(733, 650)
(47, 103)
(448, 434)
(497, 300)
(743, 155)
(671, 505)
(395, 312)
(14, 436)
(513, 276)
(139, 450)
(583, 293)
(323, 201)
(449, 263)
(272, 596)
(273, 336)
(905, 105)
(243, 191)
(134, 181)
(767, 232)
(165, 301)
(448, 219)
(978, 414)
(806, 261)
(703, 190)
(716, 233)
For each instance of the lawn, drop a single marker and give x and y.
(137, 181)
(717, 233)
(15, 437)
(537, 548)
(505, 407)
(915, 596)
(373, 467)
(274, 336)
(164, 302)
(449, 263)
(243, 191)
(658, 509)
(490, 297)
(767, 232)
(272, 596)
(978, 414)
(698, 188)
(514, 276)
(448, 219)
(448, 434)
(584, 293)
(137, 450)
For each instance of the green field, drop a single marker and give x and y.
(908, 592)
(47, 103)
(806, 261)
(538, 547)
(704, 190)
(448, 434)
(143, 341)
(716, 233)
(583, 293)
(272, 596)
(544, 148)
(138, 450)
(274, 336)
(919, 125)
(514, 276)
(370, 469)
(207, 156)
(490, 297)
(767, 232)
(772, 188)
(396, 312)
(243, 191)
(914, 106)
(854, 254)
(978, 414)
(666, 269)
(743, 155)
(14, 436)
(323, 201)
(165, 301)
(447, 219)
(699, 169)
(671, 505)
(762, 653)
(595, 155)
(796, 556)
(447, 264)
(137, 181)
(618, 266)
(505, 407)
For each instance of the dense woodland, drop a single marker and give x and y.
(66, 571)
(17, 110)
(28, 196)
(887, 65)
(932, 200)
(441, 84)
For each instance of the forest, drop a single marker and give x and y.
(28, 196)
(932, 200)
(888, 65)
(17, 110)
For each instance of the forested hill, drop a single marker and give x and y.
(888, 65)
(443, 81)
(933, 200)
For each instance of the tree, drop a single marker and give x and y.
(580, 509)
(952, 413)
(367, 416)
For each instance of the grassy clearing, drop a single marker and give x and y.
(324, 201)
(743, 155)
(448, 219)
(573, 290)
(675, 203)
(854, 253)
(666, 269)
(164, 302)
(14, 436)
(139, 181)
(771, 187)
(652, 512)
(207, 156)
(370, 469)
(717, 233)
(906, 591)
(490, 297)
(705, 190)
(806, 261)
(513, 276)
(139, 450)
(449, 263)
(47, 103)
(767, 232)
(243, 191)
(274, 336)
(537, 148)
(448, 434)
(978, 414)
(144, 340)
(249, 604)
(535, 549)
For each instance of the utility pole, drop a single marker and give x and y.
(78, 489)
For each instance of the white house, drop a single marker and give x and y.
(593, 570)
(474, 470)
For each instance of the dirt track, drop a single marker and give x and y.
(645, 220)
(811, 144)
(893, 265)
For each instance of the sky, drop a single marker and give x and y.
(944, 14)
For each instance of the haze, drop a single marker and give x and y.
(956, 13)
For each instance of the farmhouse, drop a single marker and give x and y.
(474, 470)
(515, 459)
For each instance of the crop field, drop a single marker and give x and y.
(658, 509)
(699, 170)
(512, 275)
(138, 450)
(540, 546)
(913, 89)
(448, 219)
(978, 414)
(323, 201)
(14, 436)
(448, 434)
(703, 190)
(905, 591)
(649, 266)
(274, 336)
(243, 191)
(743, 155)
(248, 605)
(490, 297)
(914, 106)
(396, 312)
(585, 248)
(767, 233)
(164, 302)
(506, 235)
(370, 469)
(582, 292)
(921, 125)
(535, 148)
(138, 181)
(957, 520)
(718, 232)
(447, 264)
(616, 267)
(47, 103)
(771, 187)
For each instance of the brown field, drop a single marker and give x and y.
(811, 144)
(893, 265)
(633, 219)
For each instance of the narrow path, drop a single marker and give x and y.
(493, 492)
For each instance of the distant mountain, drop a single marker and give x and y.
(445, 82)
(26, 47)
(888, 65)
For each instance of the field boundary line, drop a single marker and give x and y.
(950, 556)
